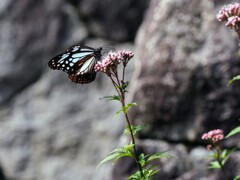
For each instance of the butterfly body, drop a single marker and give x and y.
(78, 62)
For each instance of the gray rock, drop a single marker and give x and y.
(116, 20)
(29, 33)
(57, 129)
(169, 166)
(50, 127)
(183, 165)
(185, 59)
(53, 129)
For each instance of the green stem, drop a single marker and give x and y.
(220, 162)
(115, 86)
(134, 143)
(123, 74)
(122, 94)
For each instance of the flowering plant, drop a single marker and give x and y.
(219, 155)
(110, 66)
(231, 15)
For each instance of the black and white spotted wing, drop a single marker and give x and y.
(78, 62)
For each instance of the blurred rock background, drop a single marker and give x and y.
(53, 129)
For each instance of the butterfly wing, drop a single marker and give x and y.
(78, 62)
(85, 72)
(71, 56)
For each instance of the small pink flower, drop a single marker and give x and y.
(127, 55)
(112, 60)
(233, 21)
(214, 135)
(228, 11)
(231, 14)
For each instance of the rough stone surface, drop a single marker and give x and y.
(29, 33)
(185, 58)
(50, 131)
(51, 128)
(56, 129)
(117, 20)
(184, 164)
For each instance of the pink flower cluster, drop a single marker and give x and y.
(231, 14)
(214, 135)
(112, 60)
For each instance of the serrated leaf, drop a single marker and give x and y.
(150, 171)
(129, 147)
(111, 98)
(118, 112)
(125, 151)
(225, 154)
(234, 79)
(125, 85)
(214, 165)
(108, 158)
(237, 178)
(135, 129)
(154, 172)
(135, 176)
(146, 172)
(125, 108)
(213, 155)
(141, 160)
(233, 132)
(159, 155)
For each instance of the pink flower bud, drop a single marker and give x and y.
(214, 135)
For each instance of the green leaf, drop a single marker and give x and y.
(233, 132)
(237, 177)
(214, 165)
(125, 85)
(129, 147)
(225, 154)
(154, 172)
(146, 172)
(135, 176)
(214, 155)
(109, 158)
(125, 108)
(111, 98)
(135, 129)
(141, 160)
(150, 172)
(125, 151)
(118, 112)
(159, 155)
(234, 79)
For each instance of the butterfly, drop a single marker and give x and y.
(78, 62)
